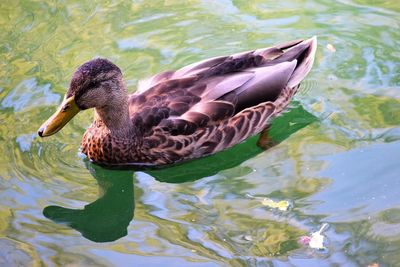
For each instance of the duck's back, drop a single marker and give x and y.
(214, 104)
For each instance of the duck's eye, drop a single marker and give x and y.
(65, 107)
(94, 84)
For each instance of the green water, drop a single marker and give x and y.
(336, 153)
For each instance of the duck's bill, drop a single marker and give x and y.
(66, 111)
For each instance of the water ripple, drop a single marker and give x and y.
(28, 94)
(342, 167)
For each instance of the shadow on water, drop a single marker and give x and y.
(107, 218)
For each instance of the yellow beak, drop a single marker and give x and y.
(67, 110)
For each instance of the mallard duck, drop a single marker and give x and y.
(193, 112)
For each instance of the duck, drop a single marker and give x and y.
(174, 116)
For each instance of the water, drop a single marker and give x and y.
(335, 156)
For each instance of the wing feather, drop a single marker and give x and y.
(236, 93)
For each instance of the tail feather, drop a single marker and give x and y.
(305, 54)
(283, 68)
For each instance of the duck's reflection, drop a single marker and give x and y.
(107, 218)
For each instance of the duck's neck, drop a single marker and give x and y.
(115, 117)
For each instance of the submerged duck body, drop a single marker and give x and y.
(178, 115)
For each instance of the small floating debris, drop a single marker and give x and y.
(282, 205)
(248, 237)
(315, 240)
(331, 48)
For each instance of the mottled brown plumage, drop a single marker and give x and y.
(195, 111)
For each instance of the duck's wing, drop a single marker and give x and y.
(216, 90)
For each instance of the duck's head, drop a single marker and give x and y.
(95, 84)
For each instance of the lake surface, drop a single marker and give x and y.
(335, 155)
